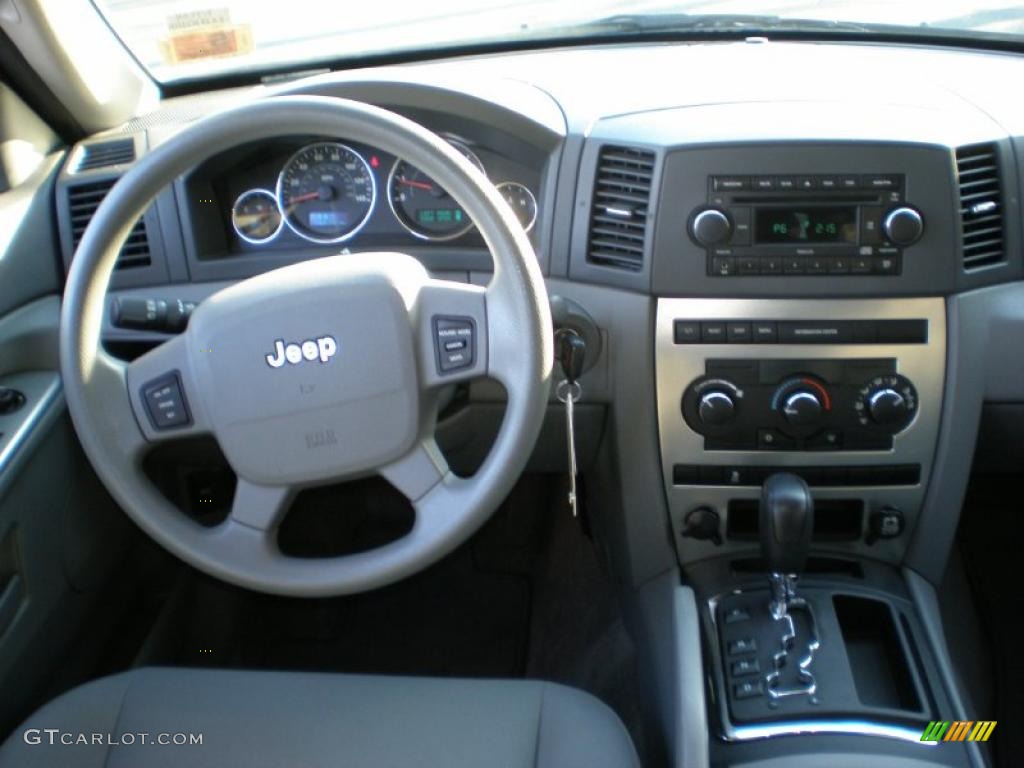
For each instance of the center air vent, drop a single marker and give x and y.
(83, 200)
(618, 219)
(103, 154)
(981, 207)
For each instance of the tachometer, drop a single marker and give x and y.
(255, 216)
(326, 192)
(422, 206)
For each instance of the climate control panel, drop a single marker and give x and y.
(799, 404)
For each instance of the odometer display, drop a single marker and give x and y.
(423, 206)
(326, 192)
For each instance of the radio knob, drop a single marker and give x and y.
(887, 406)
(903, 226)
(716, 408)
(711, 227)
(801, 408)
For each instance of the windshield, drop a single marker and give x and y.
(178, 40)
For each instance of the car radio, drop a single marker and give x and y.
(806, 225)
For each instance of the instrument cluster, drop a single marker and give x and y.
(329, 191)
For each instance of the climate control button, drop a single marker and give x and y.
(887, 406)
(887, 402)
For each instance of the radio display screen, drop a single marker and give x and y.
(836, 224)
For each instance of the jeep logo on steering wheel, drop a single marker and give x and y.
(321, 348)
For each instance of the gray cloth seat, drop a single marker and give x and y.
(311, 720)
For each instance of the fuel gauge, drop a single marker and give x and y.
(256, 216)
(521, 200)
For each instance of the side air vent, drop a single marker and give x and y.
(981, 206)
(103, 154)
(83, 200)
(618, 219)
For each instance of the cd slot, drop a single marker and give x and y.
(819, 199)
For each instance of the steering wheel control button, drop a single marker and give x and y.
(165, 402)
(455, 343)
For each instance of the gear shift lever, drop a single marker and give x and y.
(786, 521)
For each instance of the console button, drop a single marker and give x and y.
(744, 667)
(849, 182)
(887, 265)
(771, 265)
(685, 474)
(860, 265)
(764, 183)
(829, 183)
(882, 182)
(741, 646)
(687, 332)
(816, 265)
(814, 332)
(826, 440)
(750, 265)
(806, 182)
(731, 183)
(723, 266)
(748, 689)
(734, 615)
(165, 402)
(793, 265)
(870, 225)
(839, 265)
(741, 226)
(738, 333)
(787, 183)
(773, 440)
(712, 332)
(764, 333)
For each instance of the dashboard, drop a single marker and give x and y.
(801, 282)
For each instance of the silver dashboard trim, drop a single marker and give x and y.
(676, 365)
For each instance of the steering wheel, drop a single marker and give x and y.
(313, 373)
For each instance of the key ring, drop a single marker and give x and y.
(565, 389)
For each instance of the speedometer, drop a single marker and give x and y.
(423, 206)
(326, 192)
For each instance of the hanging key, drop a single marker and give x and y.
(570, 349)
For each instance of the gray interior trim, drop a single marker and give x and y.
(985, 362)
(926, 602)
(21, 430)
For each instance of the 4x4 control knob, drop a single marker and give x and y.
(716, 408)
(801, 408)
(887, 407)
(903, 226)
(711, 227)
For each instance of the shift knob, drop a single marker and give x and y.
(786, 520)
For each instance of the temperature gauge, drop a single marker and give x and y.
(256, 216)
(522, 202)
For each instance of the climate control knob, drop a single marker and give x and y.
(903, 226)
(887, 407)
(716, 408)
(801, 408)
(711, 227)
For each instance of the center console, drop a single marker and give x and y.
(845, 393)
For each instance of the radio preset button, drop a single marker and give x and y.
(793, 265)
(723, 265)
(860, 265)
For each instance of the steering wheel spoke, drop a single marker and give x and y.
(260, 507)
(451, 320)
(419, 471)
(164, 392)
